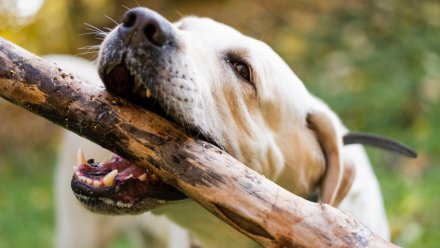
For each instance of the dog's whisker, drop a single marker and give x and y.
(97, 35)
(88, 33)
(180, 14)
(92, 47)
(111, 19)
(88, 49)
(92, 26)
(99, 32)
(96, 32)
(125, 7)
(85, 53)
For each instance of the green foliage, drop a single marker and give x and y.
(26, 206)
(376, 63)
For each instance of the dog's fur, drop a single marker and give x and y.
(272, 124)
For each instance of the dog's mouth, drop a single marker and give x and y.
(117, 186)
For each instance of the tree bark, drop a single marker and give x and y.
(234, 193)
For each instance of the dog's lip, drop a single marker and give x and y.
(118, 183)
(119, 80)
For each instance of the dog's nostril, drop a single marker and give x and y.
(154, 34)
(129, 20)
(150, 31)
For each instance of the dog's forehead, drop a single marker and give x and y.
(205, 26)
(220, 37)
(214, 33)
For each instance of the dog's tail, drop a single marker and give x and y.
(378, 141)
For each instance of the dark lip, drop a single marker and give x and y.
(118, 193)
(107, 201)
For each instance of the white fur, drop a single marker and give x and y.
(267, 131)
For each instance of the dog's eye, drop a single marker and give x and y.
(240, 67)
(242, 70)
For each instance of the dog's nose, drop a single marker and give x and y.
(141, 26)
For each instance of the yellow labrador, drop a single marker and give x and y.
(231, 90)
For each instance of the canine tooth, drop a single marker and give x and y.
(77, 173)
(109, 178)
(89, 181)
(80, 157)
(96, 183)
(148, 93)
(143, 177)
(129, 176)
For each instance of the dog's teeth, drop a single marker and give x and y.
(89, 181)
(77, 173)
(109, 178)
(148, 93)
(96, 183)
(82, 179)
(143, 177)
(80, 157)
(129, 176)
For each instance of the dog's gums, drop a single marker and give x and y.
(119, 185)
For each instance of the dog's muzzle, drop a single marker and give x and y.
(116, 186)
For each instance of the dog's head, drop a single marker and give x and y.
(233, 90)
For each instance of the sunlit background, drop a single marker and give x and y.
(376, 63)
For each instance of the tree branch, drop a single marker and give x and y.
(236, 194)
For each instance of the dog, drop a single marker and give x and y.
(229, 89)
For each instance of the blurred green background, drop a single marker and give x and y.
(376, 63)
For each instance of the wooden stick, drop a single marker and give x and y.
(236, 194)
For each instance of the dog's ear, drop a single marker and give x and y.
(348, 174)
(336, 181)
